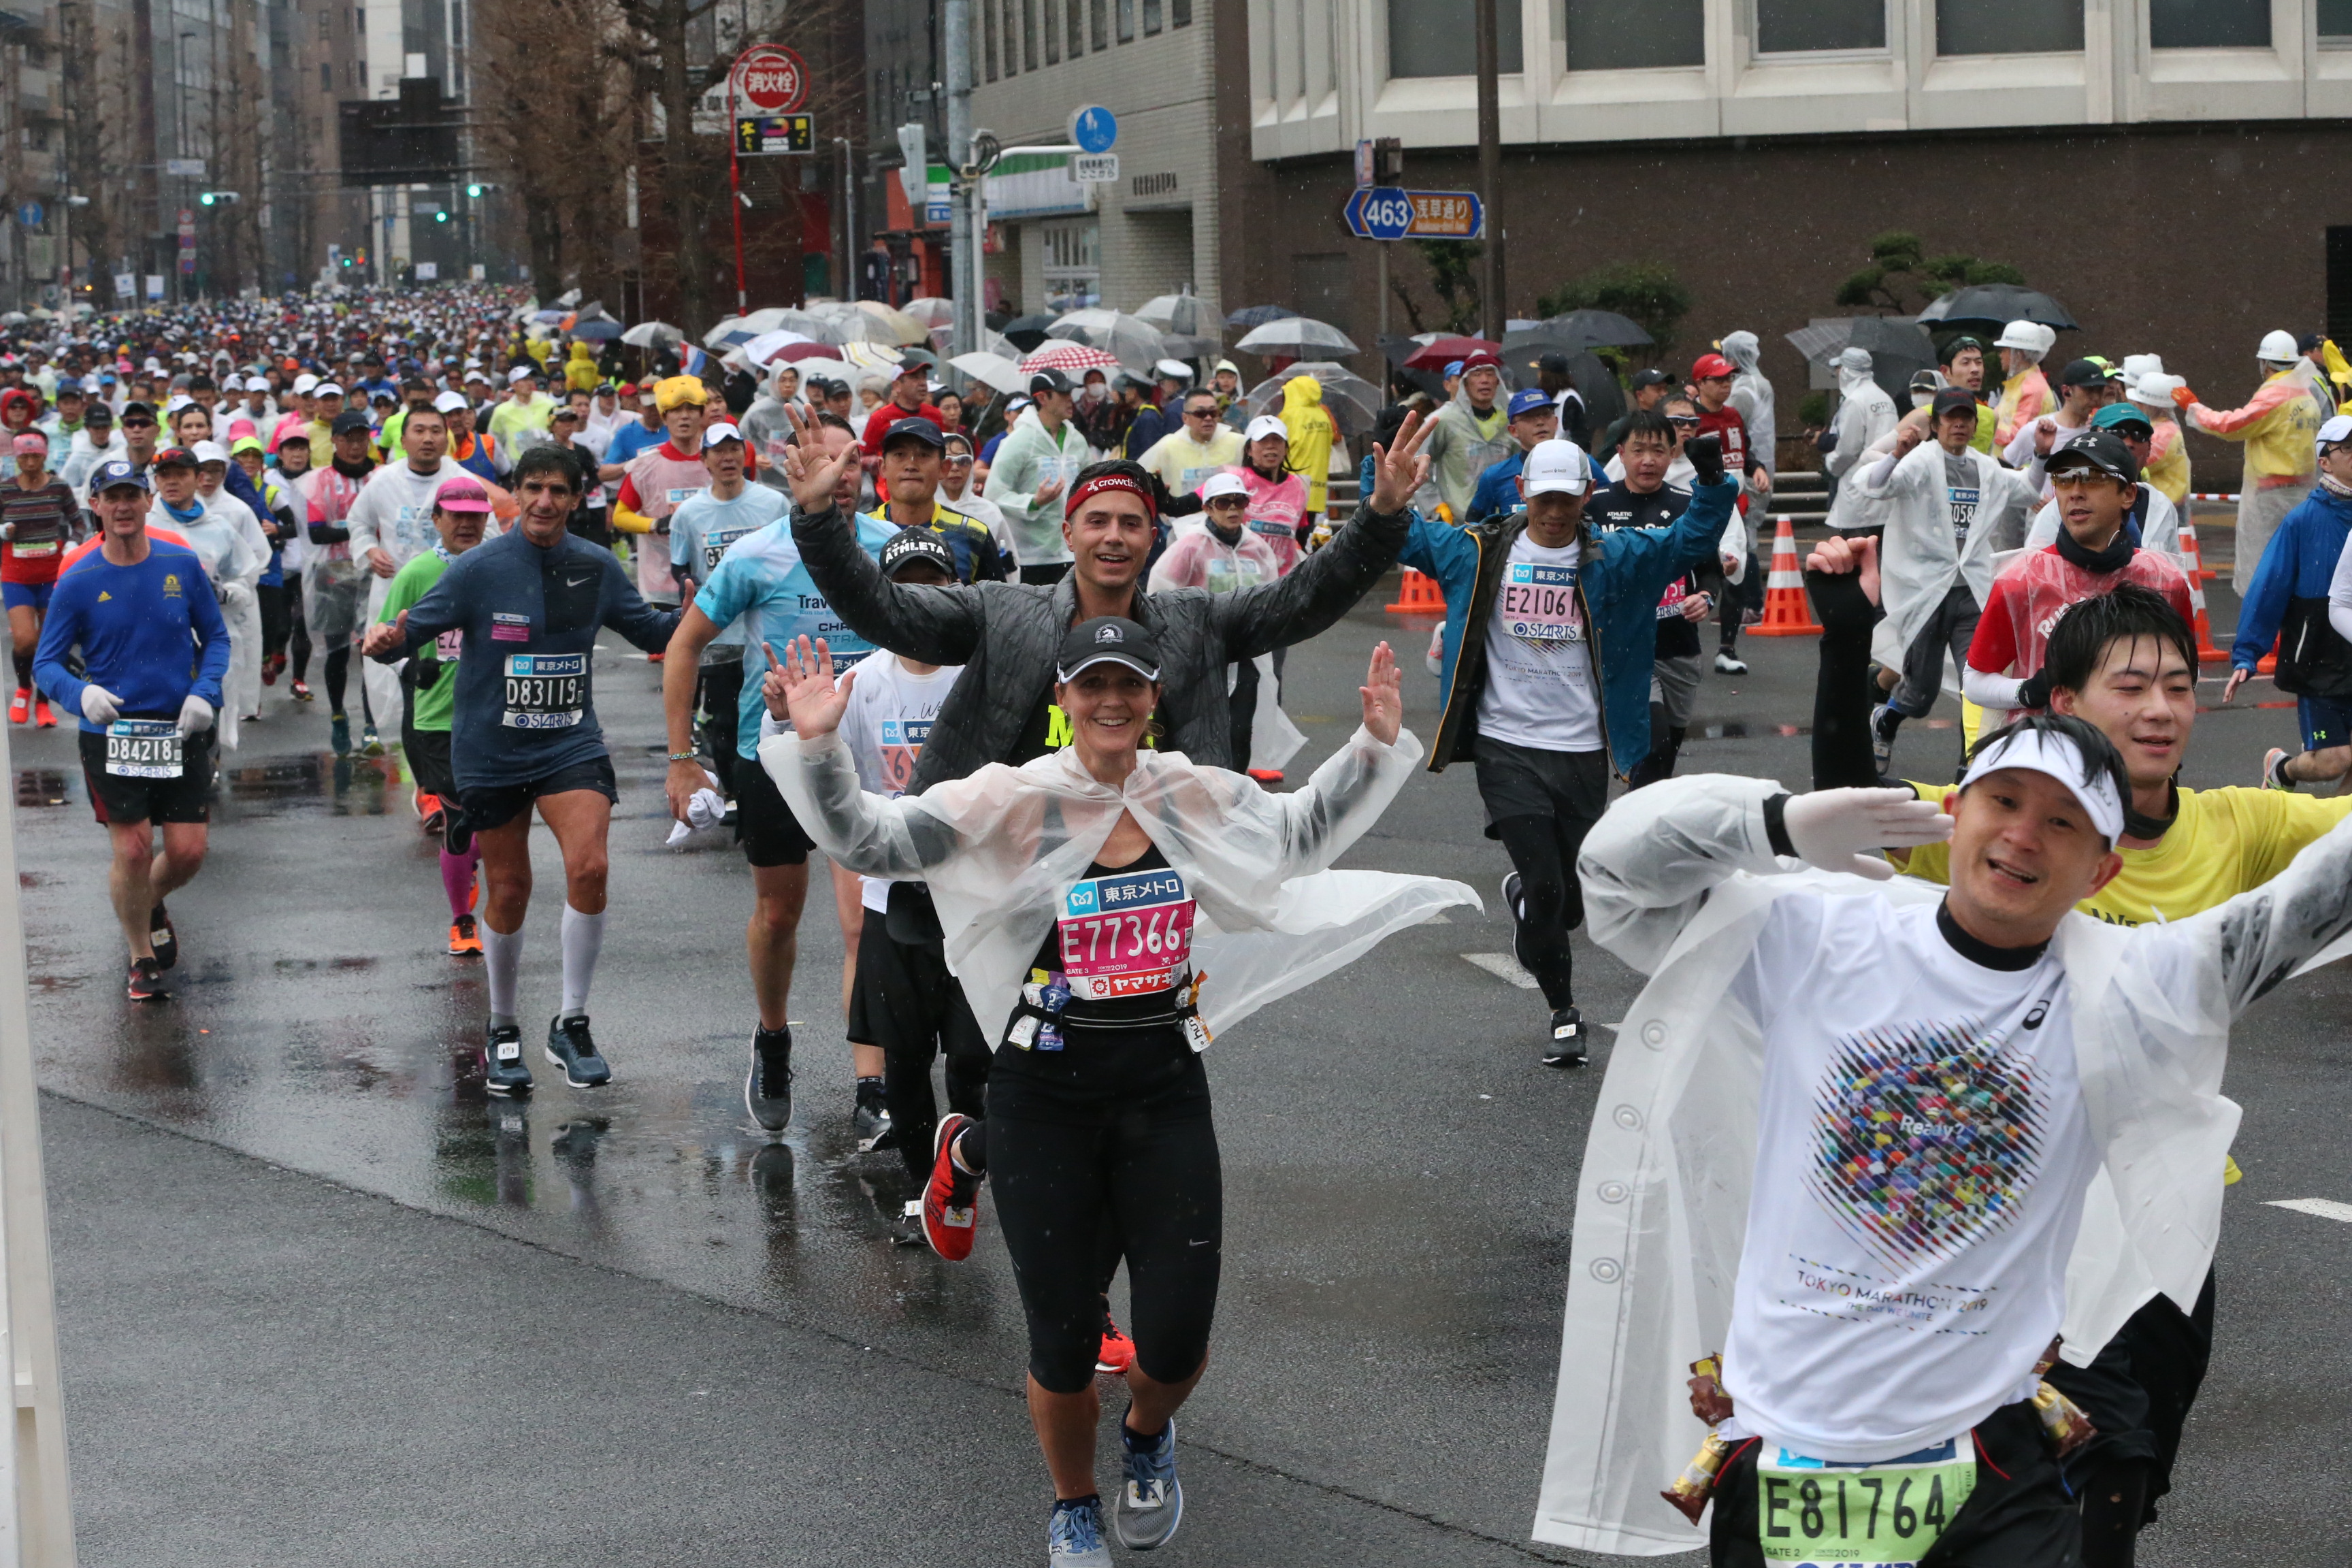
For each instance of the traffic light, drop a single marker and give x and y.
(475, 189)
(204, 200)
(441, 216)
(347, 261)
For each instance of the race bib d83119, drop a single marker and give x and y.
(1539, 603)
(1129, 935)
(1821, 1513)
(143, 749)
(545, 690)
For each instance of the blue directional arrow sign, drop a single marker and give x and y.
(1094, 128)
(1379, 212)
(30, 214)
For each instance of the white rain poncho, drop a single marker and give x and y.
(1918, 558)
(235, 552)
(1751, 396)
(1679, 880)
(1864, 415)
(999, 847)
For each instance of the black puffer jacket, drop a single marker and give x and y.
(1006, 636)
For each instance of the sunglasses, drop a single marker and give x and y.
(1200, 414)
(963, 462)
(1683, 421)
(138, 424)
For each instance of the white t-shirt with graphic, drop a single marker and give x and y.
(887, 722)
(1920, 1169)
(1539, 689)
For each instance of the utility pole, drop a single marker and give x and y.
(1490, 169)
(963, 251)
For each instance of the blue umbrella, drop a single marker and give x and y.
(1259, 315)
(603, 330)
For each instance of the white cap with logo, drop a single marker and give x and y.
(1266, 424)
(2049, 752)
(1221, 484)
(1556, 467)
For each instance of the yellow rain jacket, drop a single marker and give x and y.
(2024, 397)
(2277, 426)
(2167, 463)
(1312, 435)
(580, 370)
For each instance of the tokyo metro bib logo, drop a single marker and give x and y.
(1926, 1136)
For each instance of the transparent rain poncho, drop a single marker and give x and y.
(1001, 848)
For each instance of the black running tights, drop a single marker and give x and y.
(1543, 851)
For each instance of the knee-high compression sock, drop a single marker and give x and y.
(502, 961)
(336, 671)
(584, 938)
(24, 662)
(457, 878)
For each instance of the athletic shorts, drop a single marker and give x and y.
(495, 805)
(26, 595)
(1674, 685)
(428, 759)
(2326, 721)
(113, 798)
(764, 826)
(1521, 781)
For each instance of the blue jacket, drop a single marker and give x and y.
(1498, 490)
(1625, 573)
(2287, 601)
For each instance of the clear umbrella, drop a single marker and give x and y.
(1298, 337)
(1134, 344)
(997, 369)
(1354, 403)
(767, 345)
(1186, 315)
(903, 328)
(932, 310)
(652, 335)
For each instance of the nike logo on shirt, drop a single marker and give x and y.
(577, 582)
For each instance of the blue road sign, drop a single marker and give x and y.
(1094, 128)
(1379, 212)
(1384, 211)
(30, 214)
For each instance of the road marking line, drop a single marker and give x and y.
(1439, 918)
(2326, 1208)
(1504, 967)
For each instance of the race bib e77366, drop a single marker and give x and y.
(1128, 934)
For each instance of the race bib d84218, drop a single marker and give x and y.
(1821, 1513)
(143, 749)
(545, 690)
(1539, 603)
(1129, 935)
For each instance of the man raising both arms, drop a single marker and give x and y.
(523, 730)
(154, 651)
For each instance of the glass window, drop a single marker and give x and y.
(1028, 35)
(1179, 13)
(1631, 35)
(1078, 27)
(1072, 265)
(1125, 21)
(1807, 26)
(326, 76)
(2208, 24)
(2007, 27)
(1440, 38)
(1152, 9)
(1053, 33)
(1099, 13)
(988, 39)
(2335, 18)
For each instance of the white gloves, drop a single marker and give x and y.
(195, 716)
(237, 595)
(99, 705)
(1838, 829)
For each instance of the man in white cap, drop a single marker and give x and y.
(1957, 1126)
(1542, 701)
(2025, 392)
(2278, 426)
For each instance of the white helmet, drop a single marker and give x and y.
(2278, 348)
(2027, 336)
(2137, 366)
(2153, 390)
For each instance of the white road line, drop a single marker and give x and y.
(1504, 967)
(1439, 918)
(2326, 1208)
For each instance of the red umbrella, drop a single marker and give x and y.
(1059, 353)
(1446, 350)
(806, 351)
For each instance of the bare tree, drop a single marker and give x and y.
(558, 121)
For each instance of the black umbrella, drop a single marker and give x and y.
(1524, 350)
(1896, 349)
(1398, 349)
(1027, 332)
(1596, 329)
(1998, 304)
(1250, 316)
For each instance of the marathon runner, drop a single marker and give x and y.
(729, 507)
(39, 517)
(1549, 640)
(760, 581)
(523, 731)
(461, 513)
(1097, 1103)
(910, 479)
(2288, 605)
(153, 649)
(335, 584)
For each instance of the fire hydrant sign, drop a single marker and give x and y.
(769, 79)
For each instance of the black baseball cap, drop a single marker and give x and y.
(135, 409)
(1048, 380)
(350, 421)
(1951, 400)
(911, 366)
(911, 545)
(1553, 364)
(2082, 373)
(2098, 449)
(1653, 376)
(175, 458)
(915, 427)
(101, 413)
(1108, 637)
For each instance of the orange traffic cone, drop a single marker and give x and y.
(2206, 652)
(1419, 597)
(1786, 613)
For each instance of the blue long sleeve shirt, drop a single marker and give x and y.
(2298, 565)
(152, 634)
(525, 699)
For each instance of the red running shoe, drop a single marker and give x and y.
(1266, 775)
(271, 668)
(1118, 1351)
(43, 718)
(20, 706)
(951, 1201)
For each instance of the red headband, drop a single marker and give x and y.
(1112, 481)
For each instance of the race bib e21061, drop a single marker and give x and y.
(545, 690)
(143, 749)
(1539, 603)
(1129, 935)
(1821, 1513)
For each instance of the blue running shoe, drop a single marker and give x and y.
(1074, 1537)
(1151, 1503)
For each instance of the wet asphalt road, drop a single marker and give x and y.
(322, 1300)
